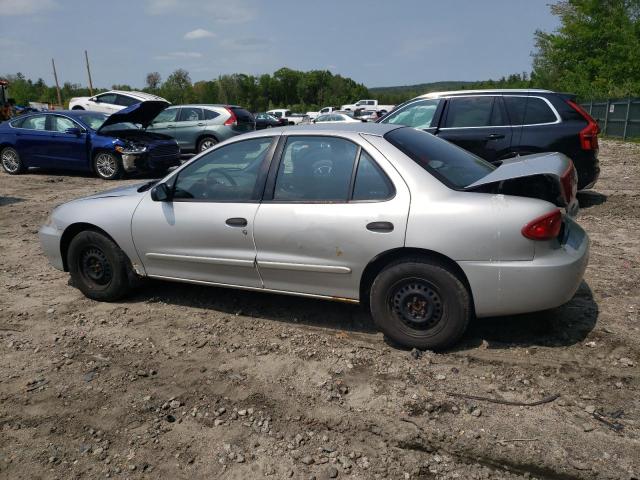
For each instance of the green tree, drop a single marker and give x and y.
(177, 88)
(595, 52)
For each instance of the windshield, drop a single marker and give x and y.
(93, 120)
(449, 163)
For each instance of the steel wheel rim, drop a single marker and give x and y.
(106, 165)
(417, 304)
(95, 267)
(10, 160)
(206, 145)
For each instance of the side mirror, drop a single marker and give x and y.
(94, 99)
(160, 193)
(73, 131)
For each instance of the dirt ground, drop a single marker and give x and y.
(183, 381)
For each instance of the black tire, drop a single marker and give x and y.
(420, 304)
(108, 165)
(98, 267)
(206, 143)
(11, 162)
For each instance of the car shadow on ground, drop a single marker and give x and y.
(589, 198)
(566, 325)
(9, 200)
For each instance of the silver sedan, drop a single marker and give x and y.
(424, 233)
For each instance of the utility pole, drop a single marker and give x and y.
(86, 57)
(55, 76)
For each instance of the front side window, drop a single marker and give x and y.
(449, 163)
(469, 112)
(93, 119)
(323, 118)
(226, 174)
(190, 114)
(315, 168)
(528, 110)
(371, 182)
(418, 114)
(61, 124)
(168, 115)
(106, 98)
(277, 114)
(35, 122)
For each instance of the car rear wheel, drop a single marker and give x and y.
(107, 165)
(77, 107)
(206, 143)
(11, 162)
(420, 304)
(98, 267)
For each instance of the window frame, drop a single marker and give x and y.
(278, 158)
(261, 179)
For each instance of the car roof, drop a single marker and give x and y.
(202, 105)
(485, 91)
(142, 96)
(378, 129)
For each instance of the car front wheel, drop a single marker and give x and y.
(98, 267)
(420, 304)
(11, 162)
(107, 165)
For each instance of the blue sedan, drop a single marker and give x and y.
(109, 146)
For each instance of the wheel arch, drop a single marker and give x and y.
(377, 264)
(71, 231)
(77, 107)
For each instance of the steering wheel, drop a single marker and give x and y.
(322, 168)
(211, 174)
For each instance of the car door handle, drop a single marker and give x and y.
(236, 222)
(380, 227)
(495, 136)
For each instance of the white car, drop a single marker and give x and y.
(291, 118)
(111, 101)
(336, 118)
(368, 105)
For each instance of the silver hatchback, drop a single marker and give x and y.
(424, 233)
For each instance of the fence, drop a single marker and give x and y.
(617, 118)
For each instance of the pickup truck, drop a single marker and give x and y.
(314, 115)
(368, 105)
(292, 119)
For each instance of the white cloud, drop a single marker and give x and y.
(178, 55)
(220, 11)
(25, 7)
(198, 33)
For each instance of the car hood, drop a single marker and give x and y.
(123, 191)
(142, 113)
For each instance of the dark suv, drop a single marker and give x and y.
(499, 124)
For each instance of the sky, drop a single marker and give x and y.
(375, 42)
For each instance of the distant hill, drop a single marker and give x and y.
(423, 87)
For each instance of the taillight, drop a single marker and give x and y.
(589, 134)
(545, 227)
(232, 120)
(569, 182)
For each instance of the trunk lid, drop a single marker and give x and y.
(548, 176)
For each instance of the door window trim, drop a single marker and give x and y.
(261, 179)
(278, 158)
(549, 104)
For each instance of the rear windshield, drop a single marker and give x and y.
(242, 115)
(449, 163)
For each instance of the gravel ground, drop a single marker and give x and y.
(183, 381)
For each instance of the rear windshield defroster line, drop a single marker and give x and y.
(452, 165)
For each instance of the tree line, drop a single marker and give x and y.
(594, 53)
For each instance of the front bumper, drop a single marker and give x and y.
(50, 242)
(548, 281)
(145, 162)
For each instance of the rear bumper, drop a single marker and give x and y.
(50, 242)
(549, 280)
(588, 168)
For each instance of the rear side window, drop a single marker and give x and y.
(417, 114)
(469, 112)
(190, 114)
(371, 182)
(210, 114)
(35, 122)
(528, 110)
(125, 101)
(242, 115)
(449, 163)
